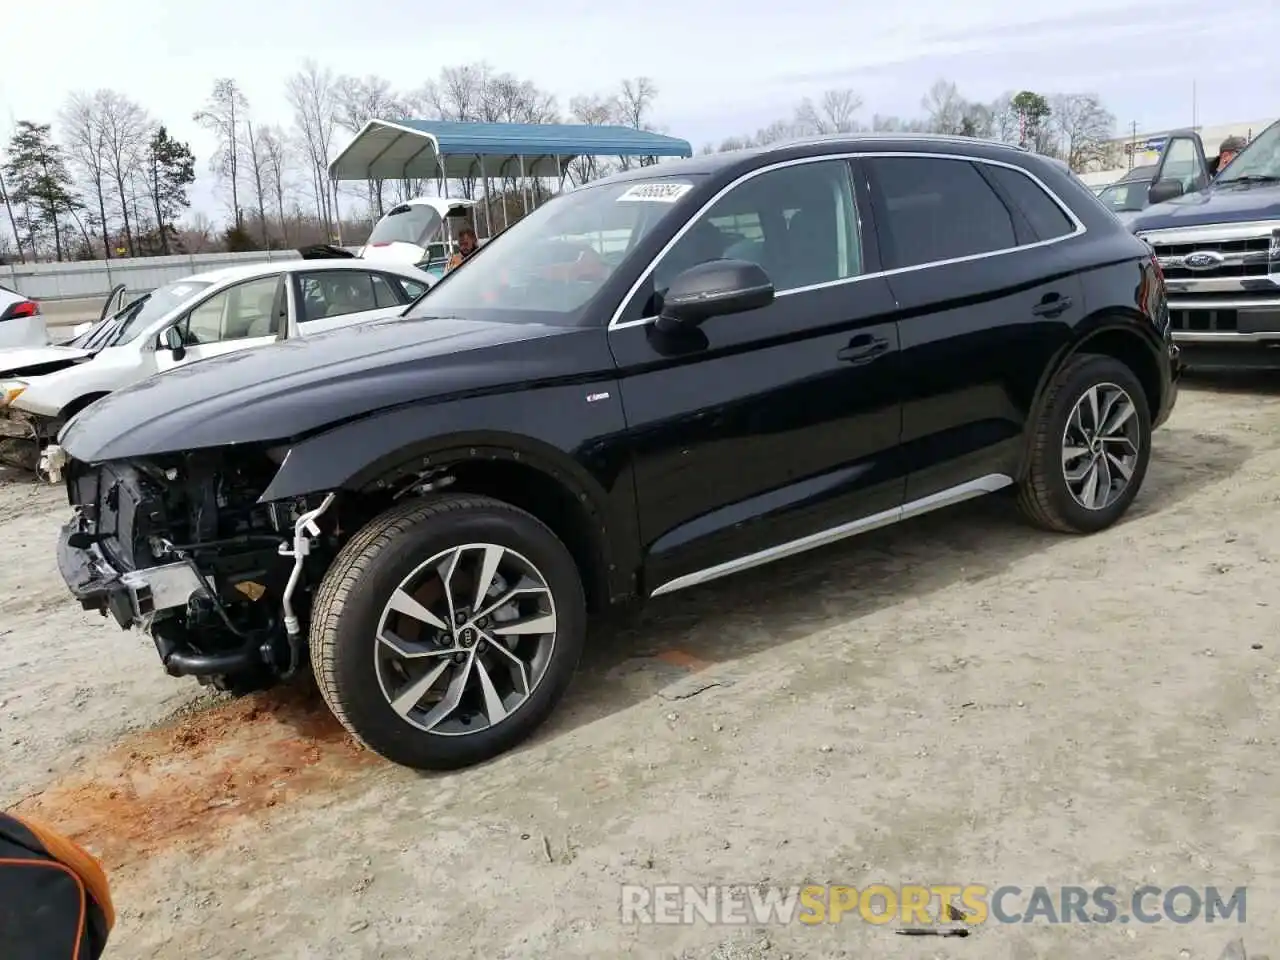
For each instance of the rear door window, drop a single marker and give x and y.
(337, 293)
(934, 209)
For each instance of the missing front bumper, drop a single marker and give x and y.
(132, 597)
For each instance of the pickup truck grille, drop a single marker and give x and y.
(1223, 280)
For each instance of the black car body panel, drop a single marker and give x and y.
(683, 452)
(292, 388)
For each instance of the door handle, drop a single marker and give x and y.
(862, 348)
(1052, 305)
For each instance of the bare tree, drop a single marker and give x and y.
(312, 95)
(275, 154)
(82, 131)
(945, 108)
(257, 169)
(833, 113)
(357, 100)
(593, 110)
(458, 94)
(223, 115)
(1084, 127)
(197, 235)
(634, 106)
(882, 123)
(125, 132)
(1004, 119)
(13, 220)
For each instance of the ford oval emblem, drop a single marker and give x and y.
(1203, 260)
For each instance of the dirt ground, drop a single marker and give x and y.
(958, 699)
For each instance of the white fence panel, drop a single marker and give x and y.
(96, 278)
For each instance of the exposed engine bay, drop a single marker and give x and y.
(181, 547)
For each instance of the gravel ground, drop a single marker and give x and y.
(958, 699)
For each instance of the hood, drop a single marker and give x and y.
(288, 389)
(1217, 203)
(34, 361)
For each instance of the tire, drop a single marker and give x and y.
(357, 670)
(1045, 495)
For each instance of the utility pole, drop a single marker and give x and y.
(1133, 142)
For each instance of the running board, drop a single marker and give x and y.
(936, 501)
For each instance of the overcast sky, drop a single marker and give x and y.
(721, 67)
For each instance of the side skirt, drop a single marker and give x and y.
(943, 498)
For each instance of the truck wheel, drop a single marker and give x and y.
(446, 630)
(1090, 449)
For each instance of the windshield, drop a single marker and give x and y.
(1260, 160)
(1125, 196)
(413, 223)
(137, 316)
(547, 266)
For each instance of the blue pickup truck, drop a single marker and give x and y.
(1217, 238)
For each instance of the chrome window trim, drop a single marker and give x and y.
(616, 324)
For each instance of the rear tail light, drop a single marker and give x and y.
(23, 308)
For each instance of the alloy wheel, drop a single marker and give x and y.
(465, 639)
(1100, 446)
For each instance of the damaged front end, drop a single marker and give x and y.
(22, 436)
(180, 547)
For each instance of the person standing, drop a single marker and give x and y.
(1227, 151)
(468, 243)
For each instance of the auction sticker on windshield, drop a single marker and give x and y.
(665, 192)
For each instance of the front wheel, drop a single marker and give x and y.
(1091, 447)
(447, 630)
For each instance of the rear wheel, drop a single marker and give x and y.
(1091, 447)
(447, 630)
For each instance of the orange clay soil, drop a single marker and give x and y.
(185, 782)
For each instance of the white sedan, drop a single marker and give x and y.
(203, 316)
(21, 324)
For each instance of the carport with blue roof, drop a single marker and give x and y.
(444, 150)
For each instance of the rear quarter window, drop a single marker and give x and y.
(1047, 219)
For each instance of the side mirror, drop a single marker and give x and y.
(171, 340)
(1163, 190)
(713, 289)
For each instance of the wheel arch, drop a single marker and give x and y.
(516, 469)
(1116, 333)
(80, 402)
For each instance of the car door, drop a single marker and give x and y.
(987, 298)
(762, 433)
(247, 314)
(328, 299)
(1181, 169)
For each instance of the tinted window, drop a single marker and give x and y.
(336, 293)
(799, 223)
(248, 309)
(937, 210)
(1047, 219)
